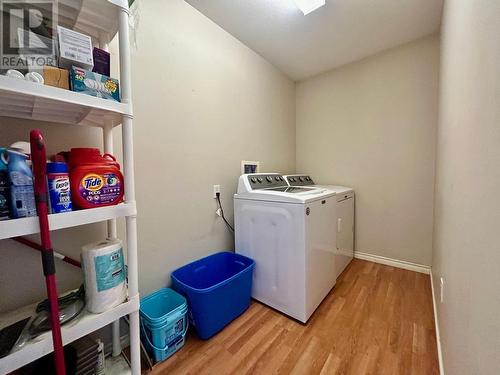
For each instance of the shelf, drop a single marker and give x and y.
(82, 326)
(97, 18)
(29, 225)
(33, 101)
(101, 20)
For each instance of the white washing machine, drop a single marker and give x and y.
(287, 231)
(344, 218)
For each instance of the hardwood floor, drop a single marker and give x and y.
(377, 320)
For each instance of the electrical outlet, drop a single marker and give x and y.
(441, 296)
(216, 191)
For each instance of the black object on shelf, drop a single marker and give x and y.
(9, 336)
(80, 357)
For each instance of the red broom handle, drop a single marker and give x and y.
(39, 159)
(38, 247)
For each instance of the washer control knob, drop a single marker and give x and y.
(269, 179)
(260, 179)
(301, 179)
(253, 179)
(308, 178)
(277, 178)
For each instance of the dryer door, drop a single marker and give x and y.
(345, 233)
(320, 251)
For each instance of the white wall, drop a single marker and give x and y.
(202, 103)
(467, 213)
(371, 125)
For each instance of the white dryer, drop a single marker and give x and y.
(287, 231)
(344, 217)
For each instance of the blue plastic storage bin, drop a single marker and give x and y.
(217, 288)
(164, 323)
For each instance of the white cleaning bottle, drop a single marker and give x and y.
(100, 367)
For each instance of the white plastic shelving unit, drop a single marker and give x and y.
(29, 225)
(101, 19)
(28, 100)
(42, 345)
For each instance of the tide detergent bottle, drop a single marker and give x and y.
(22, 195)
(96, 180)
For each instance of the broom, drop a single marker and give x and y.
(39, 159)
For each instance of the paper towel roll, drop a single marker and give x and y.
(104, 272)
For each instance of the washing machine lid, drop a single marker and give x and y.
(269, 195)
(291, 189)
(273, 188)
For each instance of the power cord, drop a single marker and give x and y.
(222, 212)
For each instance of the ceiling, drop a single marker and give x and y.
(340, 32)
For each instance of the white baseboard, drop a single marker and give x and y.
(393, 262)
(417, 268)
(438, 336)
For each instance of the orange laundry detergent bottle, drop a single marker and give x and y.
(96, 180)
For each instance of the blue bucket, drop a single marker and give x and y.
(218, 289)
(164, 323)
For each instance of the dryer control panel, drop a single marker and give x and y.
(299, 180)
(265, 180)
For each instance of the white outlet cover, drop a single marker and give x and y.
(216, 190)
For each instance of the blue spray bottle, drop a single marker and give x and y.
(4, 186)
(22, 194)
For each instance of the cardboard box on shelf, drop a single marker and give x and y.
(74, 49)
(94, 84)
(56, 77)
(101, 62)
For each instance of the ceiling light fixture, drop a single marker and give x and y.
(308, 6)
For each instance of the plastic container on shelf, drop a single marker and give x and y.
(164, 323)
(22, 194)
(96, 180)
(218, 289)
(4, 186)
(59, 187)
